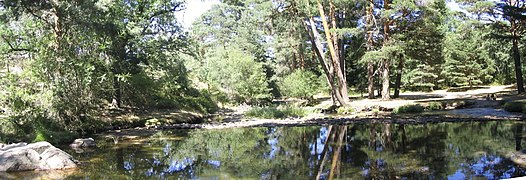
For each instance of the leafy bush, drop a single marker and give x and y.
(515, 106)
(291, 111)
(43, 130)
(237, 74)
(300, 84)
(410, 108)
(275, 112)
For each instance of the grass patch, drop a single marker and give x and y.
(433, 106)
(276, 112)
(345, 110)
(410, 108)
(516, 106)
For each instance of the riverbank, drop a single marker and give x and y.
(468, 106)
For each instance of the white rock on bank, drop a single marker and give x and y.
(35, 156)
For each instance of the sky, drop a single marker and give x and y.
(194, 9)
(455, 7)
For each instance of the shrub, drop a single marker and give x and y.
(410, 108)
(265, 112)
(345, 110)
(432, 106)
(291, 111)
(300, 84)
(275, 112)
(237, 74)
(45, 130)
(515, 106)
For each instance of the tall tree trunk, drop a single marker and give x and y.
(293, 61)
(335, 39)
(398, 80)
(386, 61)
(341, 83)
(302, 56)
(385, 80)
(518, 65)
(370, 46)
(120, 56)
(370, 79)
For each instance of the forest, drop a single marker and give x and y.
(263, 89)
(64, 65)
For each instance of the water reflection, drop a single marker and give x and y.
(358, 151)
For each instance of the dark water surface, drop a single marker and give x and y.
(359, 151)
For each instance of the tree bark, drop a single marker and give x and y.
(370, 79)
(370, 46)
(317, 47)
(386, 61)
(398, 80)
(518, 65)
(337, 43)
(341, 83)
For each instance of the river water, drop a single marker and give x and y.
(358, 151)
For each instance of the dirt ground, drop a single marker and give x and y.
(485, 107)
(487, 101)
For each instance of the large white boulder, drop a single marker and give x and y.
(35, 156)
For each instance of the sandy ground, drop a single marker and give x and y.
(418, 97)
(482, 110)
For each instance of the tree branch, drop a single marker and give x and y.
(13, 49)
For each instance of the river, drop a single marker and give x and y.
(358, 151)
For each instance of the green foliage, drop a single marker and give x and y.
(468, 61)
(515, 106)
(432, 106)
(276, 112)
(9, 130)
(410, 108)
(237, 74)
(300, 84)
(345, 110)
(92, 53)
(421, 39)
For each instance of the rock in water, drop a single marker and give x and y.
(83, 143)
(36, 156)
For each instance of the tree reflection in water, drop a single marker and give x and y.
(357, 151)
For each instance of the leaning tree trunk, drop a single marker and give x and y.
(337, 66)
(317, 47)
